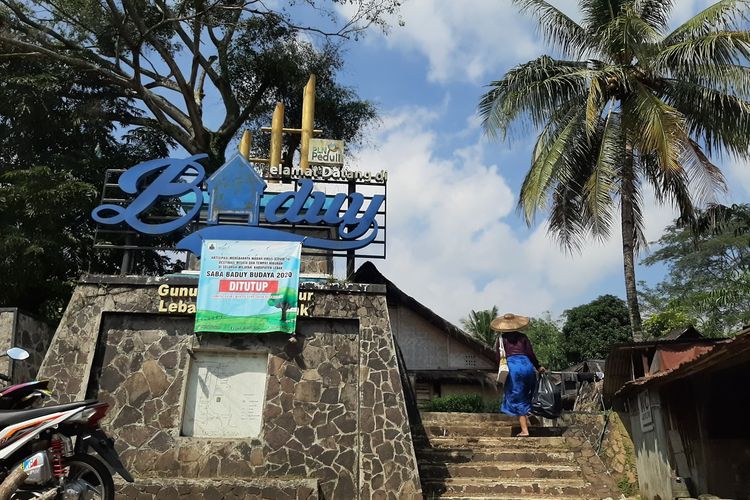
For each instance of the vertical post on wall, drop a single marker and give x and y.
(126, 256)
(308, 117)
(277, 127)
(350, 255)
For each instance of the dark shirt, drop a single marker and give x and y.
(516, 343)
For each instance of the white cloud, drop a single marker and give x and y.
(451, 237)
(477, 40)
(738, 179)
(463, 41)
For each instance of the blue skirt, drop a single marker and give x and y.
(519, 386)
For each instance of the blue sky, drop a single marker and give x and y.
(455, 240)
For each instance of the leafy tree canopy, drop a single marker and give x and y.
(547, 340)
(591, 328)
(708, 274)
(162, 62)
(53, 155)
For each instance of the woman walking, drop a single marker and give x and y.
(522, 365)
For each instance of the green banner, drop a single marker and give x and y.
(248, 287)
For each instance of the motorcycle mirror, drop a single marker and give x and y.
(17, 353)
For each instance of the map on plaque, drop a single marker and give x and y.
(225, 395)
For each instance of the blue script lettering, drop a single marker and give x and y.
(167, 178)
(351, 225)
(167, 185)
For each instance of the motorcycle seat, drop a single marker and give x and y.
(10, 417)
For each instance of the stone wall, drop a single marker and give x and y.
(22, 330)
(616, 452)
(7, 334)
(334, 409)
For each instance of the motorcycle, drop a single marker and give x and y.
(25, 395)
(52, 445)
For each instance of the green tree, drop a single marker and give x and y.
(547, 340)
(666, 320)
(160, 59)
(591, 328)
(284, 299)
(631, 104)
(478, 325)
(53, 155)
(708, 272)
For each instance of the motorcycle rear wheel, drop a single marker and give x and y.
(94, 473)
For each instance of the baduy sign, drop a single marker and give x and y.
(236, 189)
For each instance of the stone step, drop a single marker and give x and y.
(513, 497)
(465, 455)
(502, 430)
(499, 443)
(464, 418)
(473, 487)
(499, 470)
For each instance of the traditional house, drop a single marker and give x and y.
(441, 359)
(679, 397)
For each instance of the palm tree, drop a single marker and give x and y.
(478, 325)
(630, 104)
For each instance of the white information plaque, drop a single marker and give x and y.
(225, 394)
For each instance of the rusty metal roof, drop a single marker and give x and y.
(722, 352)
(618, 367)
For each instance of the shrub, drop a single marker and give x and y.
(469, 403)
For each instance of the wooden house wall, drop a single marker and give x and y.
(426, 347)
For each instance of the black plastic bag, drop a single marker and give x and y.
(546, 401)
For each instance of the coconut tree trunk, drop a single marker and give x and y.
(627, 201)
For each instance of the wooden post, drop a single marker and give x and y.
(245, 143)
(277, 127)
(308, 118)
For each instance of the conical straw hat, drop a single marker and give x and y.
(509, 322)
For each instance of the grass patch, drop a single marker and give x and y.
(214, 321)
(469, 403)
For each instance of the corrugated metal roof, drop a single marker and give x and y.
(688, 332)
(618, 368)
(708, 357)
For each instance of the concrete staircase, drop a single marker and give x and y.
(474, 456)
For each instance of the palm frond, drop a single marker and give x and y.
(602, 183)
(628, 36)
(553, 155)
(531, 92)
(565, 222)
(724, 15)
(706, 179)
(654, 12)
(598, 13)
(559, 30)
(639, 225)
(670, 186)
(725, 47)
(732, 79)
(654, 126)
(717, 120)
